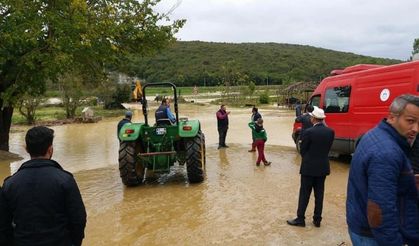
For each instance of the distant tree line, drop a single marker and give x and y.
(205, 63)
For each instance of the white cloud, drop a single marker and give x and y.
(380, 28)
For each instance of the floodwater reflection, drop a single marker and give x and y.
(237, 204)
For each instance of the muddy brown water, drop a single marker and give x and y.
(237, 204)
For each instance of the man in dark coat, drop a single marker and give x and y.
(298, 109)
(315, 147)
(222, 126)
(41, 202)
(305, 120)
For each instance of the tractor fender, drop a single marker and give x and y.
(130, 131)
(189, 128)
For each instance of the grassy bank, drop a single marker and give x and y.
(44, 114)
(232, 95)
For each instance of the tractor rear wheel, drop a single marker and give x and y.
(131, 169)
(195, 158)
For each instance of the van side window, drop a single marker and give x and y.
(337, 99)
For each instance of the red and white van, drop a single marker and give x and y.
(356, 98)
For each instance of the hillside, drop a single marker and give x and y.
(196, 63)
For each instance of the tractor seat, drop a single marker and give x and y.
(164, 122)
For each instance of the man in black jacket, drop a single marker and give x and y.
(305, 120)
(315, 147)
(41, 201)
(6, 230)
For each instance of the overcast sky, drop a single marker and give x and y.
(379, 28)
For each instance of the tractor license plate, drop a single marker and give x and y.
(160, 131)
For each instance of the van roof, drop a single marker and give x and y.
(355, 68)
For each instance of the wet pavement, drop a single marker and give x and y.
(237, 204)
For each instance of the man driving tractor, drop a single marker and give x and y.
(163, 114)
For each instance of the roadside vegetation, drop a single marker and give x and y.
(56, 115)
(109, 104)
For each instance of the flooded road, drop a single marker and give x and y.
(237, 204)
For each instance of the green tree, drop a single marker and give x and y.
(120, 93)
(415, 46)
(27, 105)
(251, 89)
(264, 98)
(41, 40)
(72, 92)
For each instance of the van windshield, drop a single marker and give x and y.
(314, 101)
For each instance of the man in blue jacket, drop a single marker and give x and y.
(41, 203)
(381, 205)
(163, 114)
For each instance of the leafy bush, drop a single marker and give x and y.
(120, 95)
(264, 98)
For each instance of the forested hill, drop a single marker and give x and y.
(196, 63)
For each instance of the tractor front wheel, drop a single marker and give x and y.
(131, 168)
(195, 158)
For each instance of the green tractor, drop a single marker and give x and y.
(157, 147)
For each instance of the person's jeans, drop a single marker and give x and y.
(358, 240)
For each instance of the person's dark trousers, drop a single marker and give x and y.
(260, 145)
(307, 184)
(222, 133)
